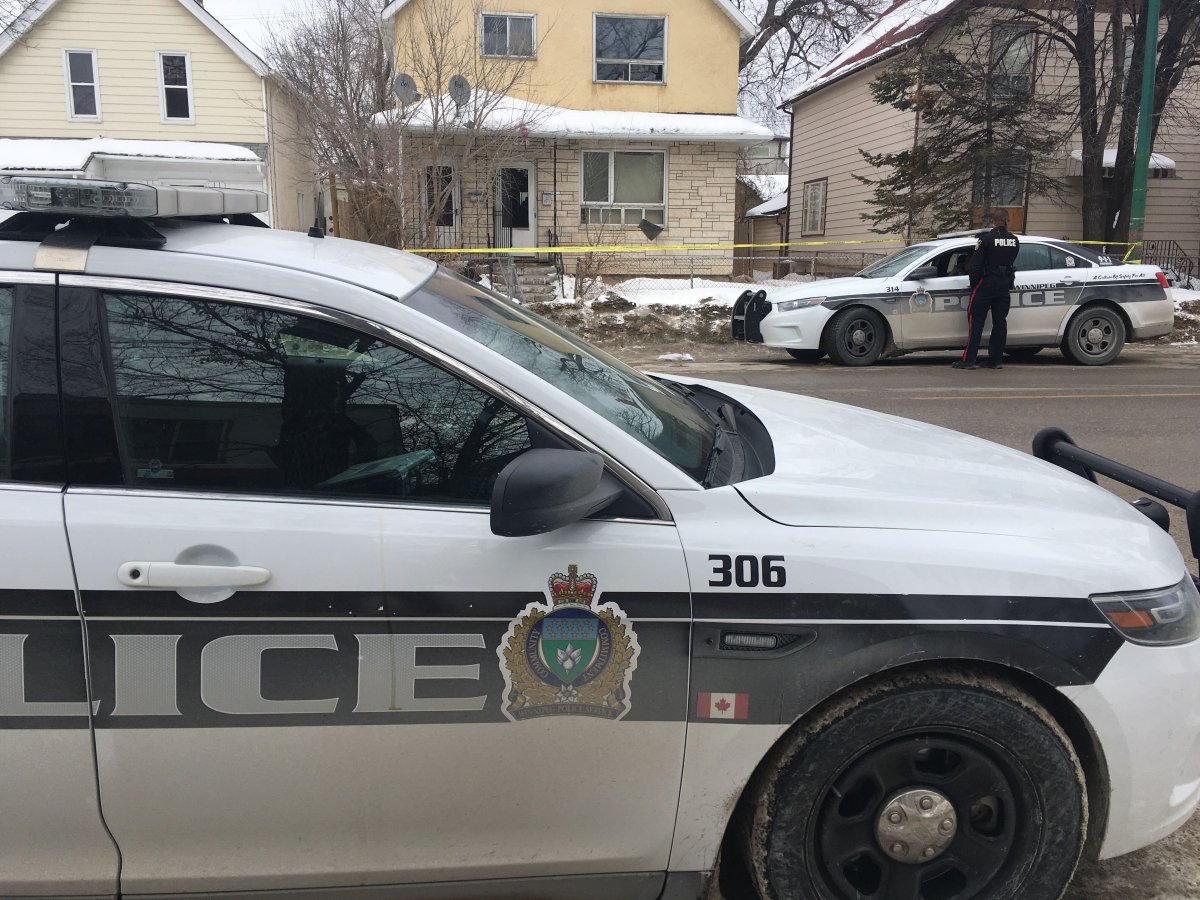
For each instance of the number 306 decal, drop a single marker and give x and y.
(747, 571)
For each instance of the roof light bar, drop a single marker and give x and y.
(84, 197)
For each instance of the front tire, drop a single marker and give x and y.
(940, 784)
(1094, 336)
(855, 337)
(808, 356)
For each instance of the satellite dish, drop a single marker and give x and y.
(460, 90)
(405, 88)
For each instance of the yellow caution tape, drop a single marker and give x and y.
(689, 248)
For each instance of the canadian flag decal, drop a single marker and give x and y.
(722, 706)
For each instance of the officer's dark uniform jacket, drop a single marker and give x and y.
(993, 274)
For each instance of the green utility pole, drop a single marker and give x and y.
(1141, 162)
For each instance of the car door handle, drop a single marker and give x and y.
(173, 575)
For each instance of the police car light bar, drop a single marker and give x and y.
(83, 197)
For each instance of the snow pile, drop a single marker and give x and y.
(676, 357)
(498, 112)
(772, 207)
(1180, 296)
(67, 154)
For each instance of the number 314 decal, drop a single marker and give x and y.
(747, 571)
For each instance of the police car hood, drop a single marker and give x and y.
(832, 287)
(841, 466)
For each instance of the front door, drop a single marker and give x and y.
(934, 310)
(316, 665)
(52, 839)
(516, 206)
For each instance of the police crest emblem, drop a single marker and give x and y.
(568, 657)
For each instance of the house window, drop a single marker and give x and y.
(1012, 60)
(83, 90)
(505, 35)
(631, 48)
(812, 215)
(1008, 185)
(175, 79)
(622, 187)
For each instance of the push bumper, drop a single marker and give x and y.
(1146, 714)
(755, 321)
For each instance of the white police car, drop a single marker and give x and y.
(1066, 296)
(326, 569)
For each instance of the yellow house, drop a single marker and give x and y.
(620, 117)
(151, 89)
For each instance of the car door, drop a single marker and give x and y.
(1048, 285)
(934, 310)
(316, 665)
(52, 839)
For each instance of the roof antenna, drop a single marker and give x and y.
(318, 226)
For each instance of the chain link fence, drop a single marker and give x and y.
(645, 277)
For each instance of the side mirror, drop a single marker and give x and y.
(923, 273)
(543, 490)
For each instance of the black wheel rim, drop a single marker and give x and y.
(860, 337)
(1095, 336)
(981, 780)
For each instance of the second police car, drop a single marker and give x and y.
(326, 569)
(1067, 296)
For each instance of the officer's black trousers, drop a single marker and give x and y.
(990, 297)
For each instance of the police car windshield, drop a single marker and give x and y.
(896, 263)
(658, 417)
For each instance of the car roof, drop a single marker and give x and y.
(372, 266)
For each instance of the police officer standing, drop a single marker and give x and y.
(993, 272)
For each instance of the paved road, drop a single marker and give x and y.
(1144, 410)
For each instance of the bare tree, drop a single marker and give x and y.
(794, 37)
(15, 16)
(403, 168)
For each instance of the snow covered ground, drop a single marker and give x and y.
(679, 291)
(1181, 296)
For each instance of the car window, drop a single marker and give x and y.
(223, 397)
(641, 407)
(952, 262)
(6, 304)
(1032, 257)
(1061, 259)
(896, 263)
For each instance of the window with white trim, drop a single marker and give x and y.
(508, 35)
(83, 92)
(175, 80)
(631, 48)
(812, 213)
(622, 187)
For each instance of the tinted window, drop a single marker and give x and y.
(232, 398)
(1032, 257)
(6, 305)
(1060, 259)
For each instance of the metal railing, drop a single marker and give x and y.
(1169, 257)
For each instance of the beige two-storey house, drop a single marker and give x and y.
(610, 121)
(147, 90)
(835, 116)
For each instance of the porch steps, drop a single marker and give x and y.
(535, 280)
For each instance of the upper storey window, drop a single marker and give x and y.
(83, 94)
(508, 35)
(631, 48)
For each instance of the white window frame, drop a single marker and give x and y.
(612, 175)
(71, 116)
(804, 229)
(532, 17)
(596, 62)
(162, 88)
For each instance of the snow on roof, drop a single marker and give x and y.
(766, 186)
(70, 154)
(502, 113)
(1075, 164)
(745, 25)
(896, 27)
(38, 8)
(772, 207)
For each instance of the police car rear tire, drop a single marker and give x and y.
(855, 337)
(1094, 336)
(809, 356)
(1004, 790)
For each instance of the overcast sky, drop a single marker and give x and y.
(250, 20)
